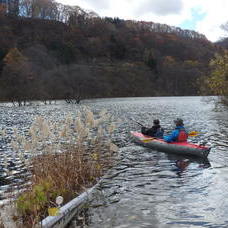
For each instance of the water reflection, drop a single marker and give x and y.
(182, 163)
(136, 189)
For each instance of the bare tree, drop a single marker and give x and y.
(16, 77)
(225, 27)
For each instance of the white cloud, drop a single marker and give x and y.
(99, 3)
(216, 14)
(160, 7)
(171, 12)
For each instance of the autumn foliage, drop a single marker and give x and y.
(70, 53)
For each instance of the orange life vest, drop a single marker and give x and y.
(183, 136)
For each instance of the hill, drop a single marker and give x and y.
(83, 56)
(223, 43)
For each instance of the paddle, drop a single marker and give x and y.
(191, 134)
(137, 122)
(148, 140)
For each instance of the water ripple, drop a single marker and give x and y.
(146, 188)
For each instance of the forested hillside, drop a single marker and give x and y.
(52, 51)
(223, 43)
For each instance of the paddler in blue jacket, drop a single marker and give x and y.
(179, 134)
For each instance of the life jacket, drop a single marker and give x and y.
(183, 136)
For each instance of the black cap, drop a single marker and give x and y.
(156, 121)
(179, 122)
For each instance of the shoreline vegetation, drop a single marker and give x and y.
(63, 159)
(218, 80)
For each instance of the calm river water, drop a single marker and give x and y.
(146, 188)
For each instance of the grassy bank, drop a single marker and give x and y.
(64, 158)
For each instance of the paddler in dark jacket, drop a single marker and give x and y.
(179, 134)
(155, 131)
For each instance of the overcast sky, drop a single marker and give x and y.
(203, 16)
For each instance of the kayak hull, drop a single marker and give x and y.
(183, 148)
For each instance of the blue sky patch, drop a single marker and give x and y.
(196, 16)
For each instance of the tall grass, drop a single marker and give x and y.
(1, 224)
(64, 158)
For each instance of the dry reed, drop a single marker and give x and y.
(64, 158)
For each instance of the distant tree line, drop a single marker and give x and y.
(224, 40)
(51, 10)
(217, 81)
(52, 51)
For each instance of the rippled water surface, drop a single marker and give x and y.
(146, 188)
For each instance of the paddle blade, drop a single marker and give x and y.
(193, 133)
(148, 140)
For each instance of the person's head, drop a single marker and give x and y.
(179, 122)
(156, 122)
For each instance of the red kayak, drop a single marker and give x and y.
(183, 148)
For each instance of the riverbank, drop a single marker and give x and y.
(63, 159)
